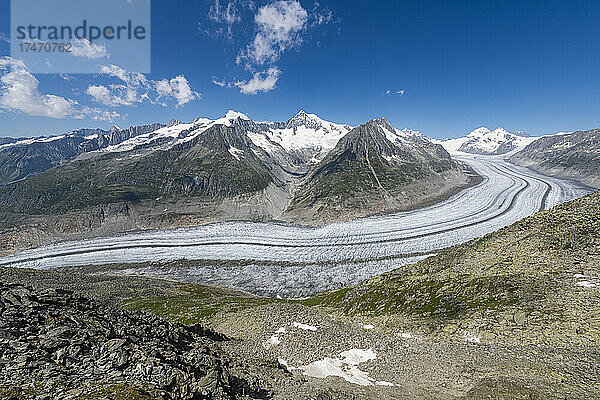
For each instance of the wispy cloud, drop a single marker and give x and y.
(278, 26)
(226, 14)
(19, 92)
(136, 88)
(4, 37)
(219, 82)
(260, 82)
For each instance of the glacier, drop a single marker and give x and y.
(287, 260)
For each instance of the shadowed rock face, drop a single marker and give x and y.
(77, 347)
(572, 156)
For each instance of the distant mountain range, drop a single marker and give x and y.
(303, 170)
(573, 156)
(486, 142)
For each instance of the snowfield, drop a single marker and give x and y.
(278, 259)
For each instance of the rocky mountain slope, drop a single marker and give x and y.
(58, 345)
(537, 280)
(486, 142)
(573, 156)
(216, 170)
(27, 157)
(376, 168)
(512, 315)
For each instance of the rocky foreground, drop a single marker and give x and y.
(58, 345)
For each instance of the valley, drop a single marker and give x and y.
(281, 259)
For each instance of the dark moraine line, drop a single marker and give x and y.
(546, 193)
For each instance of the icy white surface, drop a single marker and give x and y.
(31, 141)
(292, 261)
(304, 327)
(304, 133)
(485, 141)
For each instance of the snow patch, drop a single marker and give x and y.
(235, 152)
(272, 342)
(345, 366)
(368, 327)
(31, 141)
(304, 326)
(587, 281)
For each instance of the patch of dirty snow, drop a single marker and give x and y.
(285, 364)
(368, 326)
(587, 284)
(235, 152)
(272, 342)
(345, 366)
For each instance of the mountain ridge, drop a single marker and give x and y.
(231, 168)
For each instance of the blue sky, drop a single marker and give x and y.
(449, 67)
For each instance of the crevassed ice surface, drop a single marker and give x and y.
(292, 261)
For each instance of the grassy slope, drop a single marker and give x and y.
(192, 303)
(519, 277)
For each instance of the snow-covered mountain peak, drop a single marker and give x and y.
(173, 122)
(487, 142)
(310, 121)
(486, 132)
(231, 115)
(230, 118)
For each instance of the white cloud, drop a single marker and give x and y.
(260, 82)
(226, 14)
(67, 77)
(19, 92)
(136, 88)
(398, 92)
(219, 82)
(103, 95)
(279, 25)
(84, 48)
(4, 37)
(178, 88)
